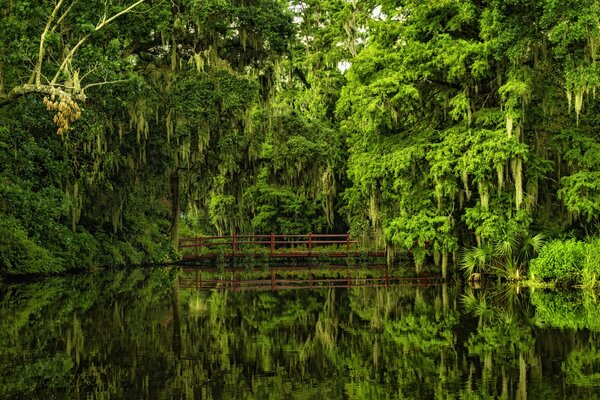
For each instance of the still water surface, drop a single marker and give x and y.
(151, 334)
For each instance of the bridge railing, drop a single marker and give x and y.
(269, 244)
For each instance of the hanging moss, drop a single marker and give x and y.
(465, 178)
(138, 119)
(76, 201)
(328, 188)
(532, 194)
(444, 263)
(373, 211)
(578, 102)
(170, 124)
(509, 125)
(484, 195)
(500, 177)
(517, 171)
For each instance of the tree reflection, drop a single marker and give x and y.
(139, 335)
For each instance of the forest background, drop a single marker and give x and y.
(429, 126)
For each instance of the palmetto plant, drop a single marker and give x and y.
(476, 259)
(506, 256)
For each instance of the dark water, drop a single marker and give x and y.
(151, 334)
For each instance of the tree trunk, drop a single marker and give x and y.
(176, 317)
(174, 180)
(445, 263)
(522, 394)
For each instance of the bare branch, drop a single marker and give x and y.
(37, 71)
(68, 58)
(104, 83)
(91, 70)
(100, 25)
(70, 89)
(117, 15)
(56, 89)
(62, 17)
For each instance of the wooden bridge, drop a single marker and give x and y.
(274, 246)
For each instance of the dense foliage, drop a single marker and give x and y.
(426, 126)
(568, 261)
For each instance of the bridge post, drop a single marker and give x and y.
(272, 244)
(347, 245)
(234, 244)
(387, 278)
(272, 280)
(309, 243)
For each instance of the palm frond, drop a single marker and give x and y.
(532, 245)
(506, 246)
(469, 301)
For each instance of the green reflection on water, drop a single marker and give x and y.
(139, 334)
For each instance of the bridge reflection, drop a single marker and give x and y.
(286, 278)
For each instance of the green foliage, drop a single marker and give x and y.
(423, 126)
(410, 342)
(19, 254)
(568, 261)
(450, 112)
(559, 260)
(507, 246)
(280, 210)
(567, 309)
(581, 368)
(580, 193)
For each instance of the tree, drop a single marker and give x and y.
(449, 110)
(62, 59)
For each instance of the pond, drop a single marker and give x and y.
(157, 334)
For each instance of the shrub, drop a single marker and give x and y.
(19, 254)
(559, 260)
(591, 263)
(568, 261)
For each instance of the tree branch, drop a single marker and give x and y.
(62, 17)
(27, 88)
(100, 25)
(37, 71)
(117, 15)
(104, 83)
(68, 57)
(74, 92)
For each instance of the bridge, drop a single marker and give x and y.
(274, 246)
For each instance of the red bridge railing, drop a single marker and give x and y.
(335, 245)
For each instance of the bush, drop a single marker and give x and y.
(568, 261)
(591, 263)
(19, 254)
(559, 260)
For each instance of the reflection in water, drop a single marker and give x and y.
(141, 334)
(311, 277)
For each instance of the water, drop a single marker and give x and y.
(152, 334)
